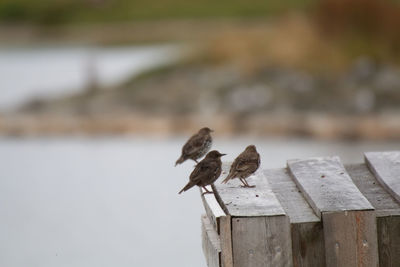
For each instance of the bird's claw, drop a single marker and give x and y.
(248, 186)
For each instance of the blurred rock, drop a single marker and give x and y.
(248, 99)
(271, 100)
(387, 79)
(363, 70)
(364, 100)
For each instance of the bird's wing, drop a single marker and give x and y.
(193, 144)
(232, 170)
(249, 164)
(202, 170)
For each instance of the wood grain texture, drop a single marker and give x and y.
(306, 227)
(211, 243)
(308, 244)
(389, 241)
(261, 241)
(241, 202)
(213, 209)
(381, 200)
(387, 211)
(290, 197)
(326, 185)
(226, 241)
(386, 167)
(350, 238)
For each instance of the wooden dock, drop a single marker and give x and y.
(316, 212)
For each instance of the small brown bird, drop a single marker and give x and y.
(197, 146)
(244, 165)
(206, 171)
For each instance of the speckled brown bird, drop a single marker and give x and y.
(244, 165)
(206, 171)
(197, 146)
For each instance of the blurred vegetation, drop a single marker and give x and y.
(95, 11)
(334, 32)
(367, 27)
(329, 37)
(250, 57)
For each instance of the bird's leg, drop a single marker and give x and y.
(243, 182)
(207, 192)
(195, 160)
(246, 184)
(251, 186)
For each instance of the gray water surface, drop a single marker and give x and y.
(28, 73)
(86, 202)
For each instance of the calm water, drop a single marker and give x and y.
(113, 202)
(37, 72)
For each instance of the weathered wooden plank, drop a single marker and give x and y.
(247, 202)
(261, 241)
(350, 238)
(381, 200)
(306, 227)
(389, 241)
(289, 196)
(250, 202)
(213, 209)
(349, 222)
(211, 243)
(326, 185)
(308, 245)
(386, 167)
(387, 211)
(221, 222)
(225, 235)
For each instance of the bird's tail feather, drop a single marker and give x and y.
(180, 160)
(187, 187)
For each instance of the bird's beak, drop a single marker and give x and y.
(223, 155)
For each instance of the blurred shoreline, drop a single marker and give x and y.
(281, 76)
(128, 33)
(314, 125)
